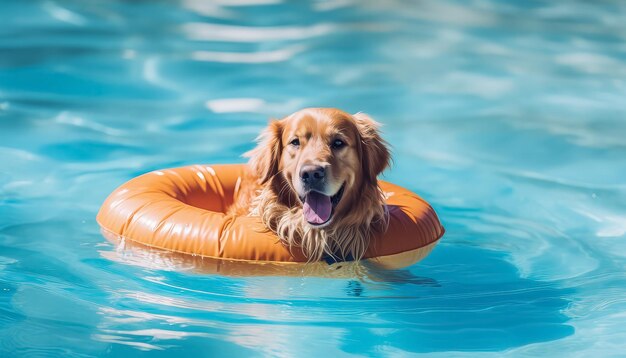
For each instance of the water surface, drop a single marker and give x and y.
(508, 117)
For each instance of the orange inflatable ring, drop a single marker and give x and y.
(182, 210)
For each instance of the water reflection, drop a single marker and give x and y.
(361, 312)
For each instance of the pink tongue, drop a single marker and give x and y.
(317, 208)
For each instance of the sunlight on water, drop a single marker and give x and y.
(507, 117)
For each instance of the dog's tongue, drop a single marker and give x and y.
(317, 208)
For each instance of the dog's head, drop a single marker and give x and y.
(321, 164)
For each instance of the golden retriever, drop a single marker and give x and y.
(313, 179)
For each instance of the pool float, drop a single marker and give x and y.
(183, 210)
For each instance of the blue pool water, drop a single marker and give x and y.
(509, 117)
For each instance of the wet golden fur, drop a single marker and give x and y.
(273, 188)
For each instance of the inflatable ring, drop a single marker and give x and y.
(183, 210)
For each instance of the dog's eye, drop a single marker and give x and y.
(295, 142)
(338, 143)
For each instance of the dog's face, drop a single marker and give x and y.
(321, 160)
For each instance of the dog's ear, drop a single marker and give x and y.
(265, 157)
(374, 150)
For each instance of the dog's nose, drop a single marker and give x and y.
(312, 174)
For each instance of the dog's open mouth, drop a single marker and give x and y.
(318, 208)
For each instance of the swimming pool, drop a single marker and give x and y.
(508, 117)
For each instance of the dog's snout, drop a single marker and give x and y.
(311, 174)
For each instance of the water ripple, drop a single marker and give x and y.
(215, 32)
(248, 57)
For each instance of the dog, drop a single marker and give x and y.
(312, 179)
